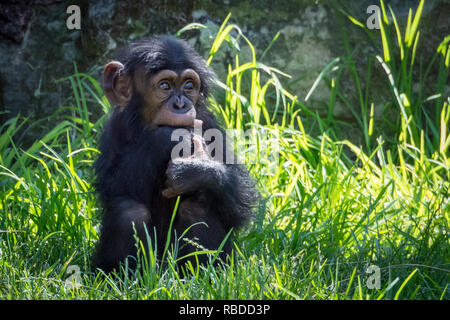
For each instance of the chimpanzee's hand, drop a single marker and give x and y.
(187, 175)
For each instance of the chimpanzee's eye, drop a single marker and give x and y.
(189, 85)
(164, 85)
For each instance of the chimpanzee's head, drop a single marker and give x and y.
(165, 74)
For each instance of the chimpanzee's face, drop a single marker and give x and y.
(168, 97)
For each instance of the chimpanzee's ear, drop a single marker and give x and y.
(116, 85)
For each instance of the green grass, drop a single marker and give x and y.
(330, 209)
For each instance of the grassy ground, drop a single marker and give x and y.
(337, 221)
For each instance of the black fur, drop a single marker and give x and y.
(131, 171)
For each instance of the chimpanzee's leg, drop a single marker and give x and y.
(117, 236)
(205, 231)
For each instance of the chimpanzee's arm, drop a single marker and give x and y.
(228, 187)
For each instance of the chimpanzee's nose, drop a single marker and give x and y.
(179, 103)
